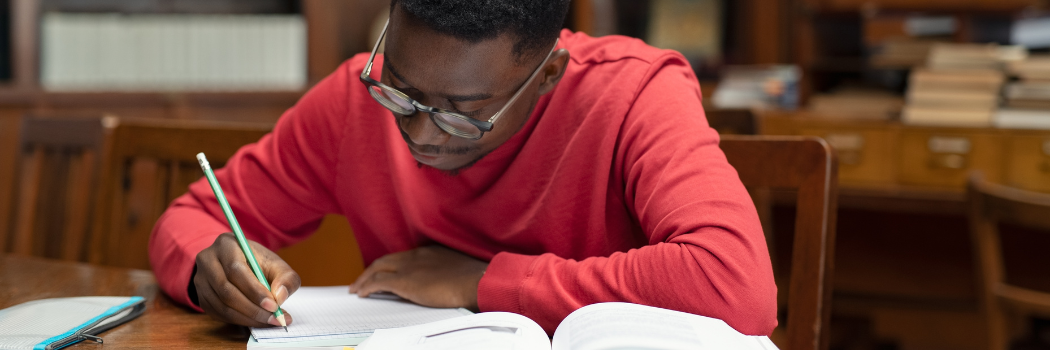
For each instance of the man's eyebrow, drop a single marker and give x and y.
(454, 98)
(389, 65)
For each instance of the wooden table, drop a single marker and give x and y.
(164, 325)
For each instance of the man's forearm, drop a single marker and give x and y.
(731, 284)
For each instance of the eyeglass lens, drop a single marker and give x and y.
(400, 105)
(391, 100)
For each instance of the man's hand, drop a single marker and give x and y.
(432, 276)
(228, 291)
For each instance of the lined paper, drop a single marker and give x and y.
(321, 313)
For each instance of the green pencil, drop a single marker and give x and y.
(248, 255)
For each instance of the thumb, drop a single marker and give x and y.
(284, 281)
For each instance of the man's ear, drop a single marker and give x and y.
(553, 70)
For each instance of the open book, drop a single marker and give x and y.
(604, 326)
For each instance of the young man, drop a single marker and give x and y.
(492, 161)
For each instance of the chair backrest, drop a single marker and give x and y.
(992, 204)
(148, 163)
(805, 164)
(58, 170)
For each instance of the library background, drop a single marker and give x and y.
(913, 96)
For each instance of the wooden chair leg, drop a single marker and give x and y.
(998, 331)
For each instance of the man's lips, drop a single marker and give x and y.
(425, 158)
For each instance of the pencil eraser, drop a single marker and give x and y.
(201, 159)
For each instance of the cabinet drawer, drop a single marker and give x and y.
(1028, 162)
(935, 157)
(865, 155)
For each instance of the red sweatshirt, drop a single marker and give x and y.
(614, 190)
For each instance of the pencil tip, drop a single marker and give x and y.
(282, 322)
(286, 329)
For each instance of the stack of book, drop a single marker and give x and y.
(952, 97)
(857, 103)
(960, 85)
(974, 56)
(1027, 103)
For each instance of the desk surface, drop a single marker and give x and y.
(164, 324)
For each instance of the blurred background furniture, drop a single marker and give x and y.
(806, 166)
(152, 161)
(1006, 295)
(148, 163)
(59, 162)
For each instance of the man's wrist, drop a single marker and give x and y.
(191, 290)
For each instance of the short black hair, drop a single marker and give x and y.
(535, 23)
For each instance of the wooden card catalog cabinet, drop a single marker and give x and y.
(865, 155)
(1028, 161)
(943, 157)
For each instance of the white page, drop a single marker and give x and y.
(609, 326)
(332, 312)
(489, 331)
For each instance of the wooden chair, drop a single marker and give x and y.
(148, 163)
(990, 205)
(807, 165)
(56, 185)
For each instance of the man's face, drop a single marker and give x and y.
(473, 79)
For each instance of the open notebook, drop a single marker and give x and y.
(326, 313)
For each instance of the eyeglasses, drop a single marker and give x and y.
(451, 122)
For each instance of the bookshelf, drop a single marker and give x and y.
(335, 30)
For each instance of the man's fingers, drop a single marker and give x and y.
(381, 281)
(283, 280)
(287, 317)
(387, 263)
(365, 275)
(241, 276)
(236, 288)
(213, 304)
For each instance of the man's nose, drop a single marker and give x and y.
(422, 131)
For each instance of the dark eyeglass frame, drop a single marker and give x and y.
(483, 126)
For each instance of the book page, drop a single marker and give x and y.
(609, 326)
(489, 331)
(332, 312)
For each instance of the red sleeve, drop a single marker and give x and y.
(706, 252)
(279, 188)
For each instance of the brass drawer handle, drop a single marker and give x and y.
(948, 161)
(942, 144)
